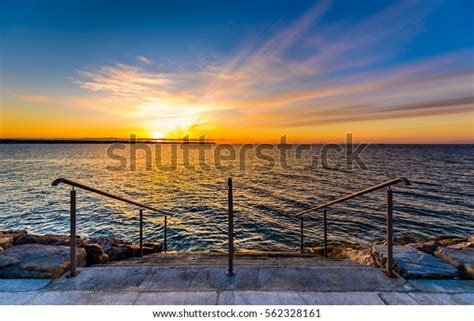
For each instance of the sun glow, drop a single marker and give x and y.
(157, 135)
(171, 117)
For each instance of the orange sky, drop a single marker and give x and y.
(344, 83)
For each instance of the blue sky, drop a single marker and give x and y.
(44, 39)
(46, 46)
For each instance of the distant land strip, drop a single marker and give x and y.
(103, 141)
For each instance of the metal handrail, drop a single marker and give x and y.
(324, 206)
(97, 191)
(359, 193)
(72, 268)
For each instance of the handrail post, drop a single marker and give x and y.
(141, 232)
(390, 233)
(301, 235)
(230, 270)
(325, 233)
(165, 245)
(72, 240)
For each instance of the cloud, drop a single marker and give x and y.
(144, 60)
(303, 75)
(362, 113)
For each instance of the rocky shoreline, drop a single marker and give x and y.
(442, 257)
(25, 255)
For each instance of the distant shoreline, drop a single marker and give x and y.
(101, 141)
(167, 141)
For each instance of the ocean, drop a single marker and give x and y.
(268, 192)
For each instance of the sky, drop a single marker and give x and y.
(239, 71)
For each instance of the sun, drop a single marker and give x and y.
(157, 135)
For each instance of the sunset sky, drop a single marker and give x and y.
(243, 71)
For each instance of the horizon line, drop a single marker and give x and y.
(102, 140)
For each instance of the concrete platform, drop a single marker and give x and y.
(258, 280)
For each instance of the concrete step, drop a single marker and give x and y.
(214, 278)
(260, 259)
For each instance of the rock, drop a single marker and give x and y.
(427, 247)
(320, 249)
(6, 241)
(6, 261)
(37, 261)
(15, 234)
(95, 254)
(449, 240)
(157, 247)
(9, 232)
(118, 252)
(362, 256)
(463, 260)
(146, 249)
(461, 246)
(404, 239)
(414, 264)
(316, 250)
(115, 249)
(48, 239)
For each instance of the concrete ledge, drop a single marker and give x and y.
(443, 298)
(177, 298)
(397, 298)
(447, 286)
(260, 298)
(232, 298)
(22, 285)
(345, 298)
(196, 285)
(16, 298)
(84, 297)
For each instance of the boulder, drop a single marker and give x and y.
(9, 232)
(13, 233)
(146, 249)
(463, 259)
(362, 256)
(95, 254)
(37, 261)
(427, 247)
(414, 264)
(320, 249)
(115, 249)
(6, 261)
(6, 241)
(118, 252)
(315, 250)
(461, 246)
(404, 239)
(48, 239)
(450, 240)
(157, 247)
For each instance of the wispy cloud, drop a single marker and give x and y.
(144, 60)
(302, 76)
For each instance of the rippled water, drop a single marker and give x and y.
(440, 201)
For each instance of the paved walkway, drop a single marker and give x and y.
(193, 280)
